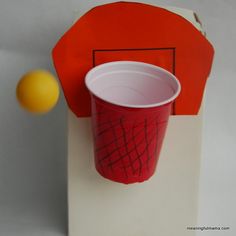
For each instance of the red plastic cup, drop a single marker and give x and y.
(131, 104)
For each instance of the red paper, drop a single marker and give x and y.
(137, 32)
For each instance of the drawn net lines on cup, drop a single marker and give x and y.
(118, 149)
(114, 125)
(147, 143)
(156, 148)
(125, 142)
(134, 148)
(118, 138)
(106, 124)
(141, 154)
(154, 139)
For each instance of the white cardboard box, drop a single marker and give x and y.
(165, 205)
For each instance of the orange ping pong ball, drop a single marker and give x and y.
(37, 91)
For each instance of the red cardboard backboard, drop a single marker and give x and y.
(136, 32)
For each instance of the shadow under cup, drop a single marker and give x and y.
(131, 104)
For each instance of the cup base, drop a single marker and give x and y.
(126, 180)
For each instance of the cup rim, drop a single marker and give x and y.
(157, 68)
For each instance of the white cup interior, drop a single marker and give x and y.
(132, 84)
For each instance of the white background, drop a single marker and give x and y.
(33, 149)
